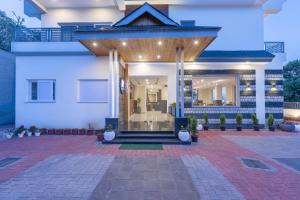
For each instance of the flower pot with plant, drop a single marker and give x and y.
(184, 134)
(271, 122)
(10, 133)
(21, 131)
(193, 127)
(31, 131)
(239, 121)
(205, 118)
(100, 134)
(222, 122)
(109, 133)
(37, 132)
(255, 122)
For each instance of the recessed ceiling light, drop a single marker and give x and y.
(159, 43)
(95, 44)
(158, 56)
(196, 42)
(124, 44)
(140, 56)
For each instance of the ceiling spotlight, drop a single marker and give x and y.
(158, 56)
(159, 43)
(140, 56)
(124, 44)
(196, 42)
(95, 44)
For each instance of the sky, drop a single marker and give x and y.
(284, 26)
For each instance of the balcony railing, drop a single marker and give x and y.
(44, 35)
(291, 105)
(274, 47)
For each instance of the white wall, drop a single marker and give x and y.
(55, 16)
(65, 112)
(242, 27)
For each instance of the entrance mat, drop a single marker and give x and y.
(252, 163)
(141, 147)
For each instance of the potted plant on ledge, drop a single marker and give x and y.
(99, 134)
(271, 122)
(184, 134)
(205, 125)
(255, 122)
(239, 121)
(109, 133)
(222, 122)
(20, 132)
(193, 125)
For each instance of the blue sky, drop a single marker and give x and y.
(284, 26)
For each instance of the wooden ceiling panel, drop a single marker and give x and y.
(149, 49)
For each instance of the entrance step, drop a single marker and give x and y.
(145, 138)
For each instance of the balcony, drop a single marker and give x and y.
(274, 47)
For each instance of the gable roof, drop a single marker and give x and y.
(146, 9)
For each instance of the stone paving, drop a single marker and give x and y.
(210, 183)
(58, 177)
(210, 169)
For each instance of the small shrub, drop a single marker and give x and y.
(254, 119)
(270, 120)
(194, 124)
(222, 120)
(205, 117)
(239, 119)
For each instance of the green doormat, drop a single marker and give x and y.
(141, 147)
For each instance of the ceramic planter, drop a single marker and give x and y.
(9, 135)
(21, 134)
(239, 128)
(37, 134)
(271, 128)
(109, 135)
(205, 127)
(223, 128)
(100, 137)
(256, 128)
(194, 138)
(200, 127)
(184, 136)
(29, 134)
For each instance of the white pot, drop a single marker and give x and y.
(297, 128)
(21, 134)
(29, 134)
(37, 134)
(200, 127)
(184, 136)
(109, 135)
(9, 135)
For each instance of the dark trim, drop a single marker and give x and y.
(275, 115)
(219, 72)
(273, 71)
(274, 104)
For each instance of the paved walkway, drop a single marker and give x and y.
(76, 167)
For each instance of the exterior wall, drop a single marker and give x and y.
(55, 16)
(242, 27)
(66, 112)
(7, 88)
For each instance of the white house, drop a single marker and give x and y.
(124, 63)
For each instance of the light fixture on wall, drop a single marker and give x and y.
(248, 87)
(273, 88)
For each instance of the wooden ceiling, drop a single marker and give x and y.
(149, 49)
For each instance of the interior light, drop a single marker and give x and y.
(159, 43)
(273, 88)
(140, 56)
(124, 44)
(196, 42)
(158, 56)
(95, 44)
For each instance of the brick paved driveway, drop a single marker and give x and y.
(76, 167)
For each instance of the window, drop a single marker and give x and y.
(219, 90)
(41, 90)
(93, 91)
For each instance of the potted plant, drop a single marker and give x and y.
(99, 134)
(193, 126)
(239, 121)
(271, 122)
(37, 132)
(31, 131)
(205, 118)
(255, 122)
(10, 133)
(222, 122)
(109, 133)
(20, 131)
(138, 107)
(184, 134)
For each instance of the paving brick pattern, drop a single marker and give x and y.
(146, 178)
(210, 183)
(58, 177)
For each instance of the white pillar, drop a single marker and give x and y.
(111, 84)
(177, 82)
(260, 95)
(182, 81)
(117, 82)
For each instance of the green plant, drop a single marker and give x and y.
(270, 120)
(139, 100)
(32, 129)
(239, 119)
(109, 128)
(254, 119)
(222, 120)
(194, 124)
(205, 117)
(182, 127)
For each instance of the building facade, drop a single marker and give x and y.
(127, 63)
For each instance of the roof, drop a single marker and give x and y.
(235, 56)
(146, 9)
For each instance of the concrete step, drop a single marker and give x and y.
(174, 141)
(146, 136)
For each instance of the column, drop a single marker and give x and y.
(182, 81)
(177, 82)
(111, 84)
(260, 95)
(116, 82)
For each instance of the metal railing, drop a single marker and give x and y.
(291, 105)
(44, 34)
(274, 47)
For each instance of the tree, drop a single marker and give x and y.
(7, 29)
(291, 74)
